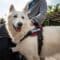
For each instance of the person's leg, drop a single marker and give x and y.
(40, 40)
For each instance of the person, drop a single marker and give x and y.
(36, 11)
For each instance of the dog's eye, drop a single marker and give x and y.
(22, 17)
(15, 16)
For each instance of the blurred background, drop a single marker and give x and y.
(53, 12)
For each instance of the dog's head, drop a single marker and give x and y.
(16, 18)
(18, 23)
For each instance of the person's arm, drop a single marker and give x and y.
(42, 15)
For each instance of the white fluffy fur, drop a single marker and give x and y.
(28, 47)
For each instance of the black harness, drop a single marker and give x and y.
(37, 32)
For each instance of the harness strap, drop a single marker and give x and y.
(40, 42)
(39, 39)
(28, 34)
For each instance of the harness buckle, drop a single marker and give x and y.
(34, 32)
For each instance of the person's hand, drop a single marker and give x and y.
(34, 22)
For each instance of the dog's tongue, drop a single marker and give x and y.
(18, 29)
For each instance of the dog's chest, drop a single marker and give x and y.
(29, 45)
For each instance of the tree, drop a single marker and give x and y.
(56, 9)
(53, 15)
(49, 8)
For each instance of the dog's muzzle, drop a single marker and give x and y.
(18, 27)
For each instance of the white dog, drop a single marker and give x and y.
(18, 24)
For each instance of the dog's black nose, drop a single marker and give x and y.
(19, 24)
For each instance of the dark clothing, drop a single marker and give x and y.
(5, 46)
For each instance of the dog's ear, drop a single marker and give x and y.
(11, 8)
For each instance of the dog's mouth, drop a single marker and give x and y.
(17, 29)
